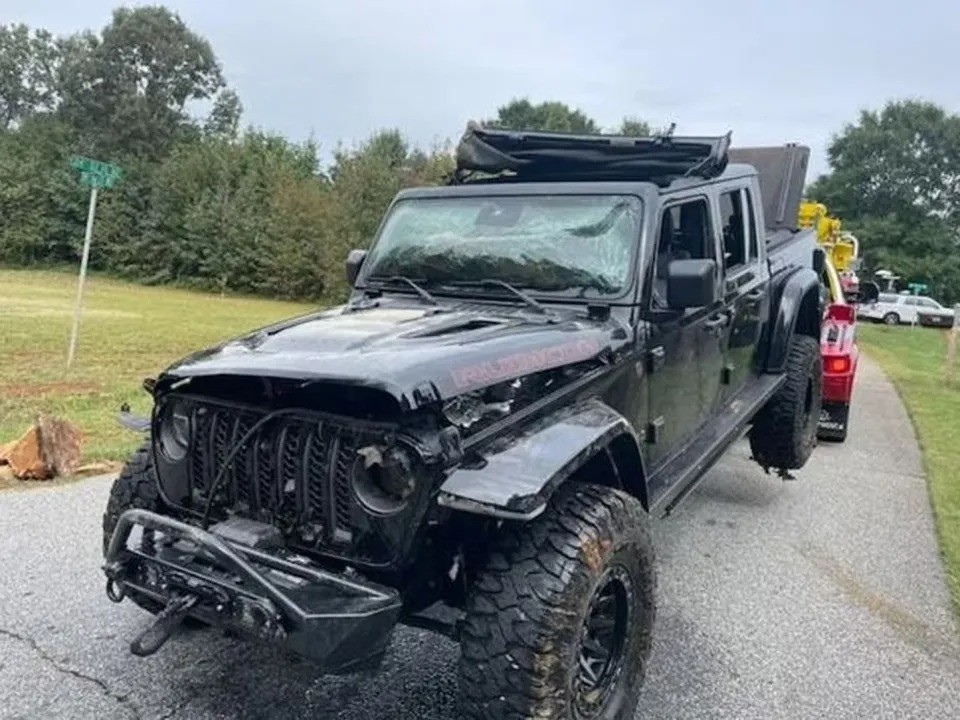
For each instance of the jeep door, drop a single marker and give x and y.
(745, 290)
(676, 368)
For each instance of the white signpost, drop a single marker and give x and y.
(96, 175)
(952, 345)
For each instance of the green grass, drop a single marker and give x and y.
(915, 359)
(128, 332)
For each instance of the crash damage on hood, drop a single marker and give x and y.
(415, 353)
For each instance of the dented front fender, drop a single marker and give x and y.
(514, 475)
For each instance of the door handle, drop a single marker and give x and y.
(716, 322)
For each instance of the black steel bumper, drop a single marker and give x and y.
(341, 623)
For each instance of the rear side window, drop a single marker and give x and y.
(911, 301)
(892, 299)
(733, 230)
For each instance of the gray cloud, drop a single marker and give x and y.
(773, 71)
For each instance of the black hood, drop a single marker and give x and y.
(417, 353)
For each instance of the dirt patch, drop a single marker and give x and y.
(24, 390)
(593, 551)
(910, 628)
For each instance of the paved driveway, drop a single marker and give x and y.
(822, 597)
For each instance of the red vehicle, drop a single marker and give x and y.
(838, 347)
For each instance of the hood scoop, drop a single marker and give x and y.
(457, 327)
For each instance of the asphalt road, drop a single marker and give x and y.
(818, 598)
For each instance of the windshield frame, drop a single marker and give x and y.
(626, 292)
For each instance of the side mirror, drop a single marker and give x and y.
(691, 283)
(354, 262)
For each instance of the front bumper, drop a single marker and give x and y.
(340, 622)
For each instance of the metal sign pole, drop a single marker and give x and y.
(78, 303)
(952, 345)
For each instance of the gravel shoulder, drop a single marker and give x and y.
(820, 597)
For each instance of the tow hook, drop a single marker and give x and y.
(163, 625)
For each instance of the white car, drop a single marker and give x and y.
(893, 309)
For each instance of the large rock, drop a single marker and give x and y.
(26, 459)
(50, 448)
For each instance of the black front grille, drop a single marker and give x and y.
(294, 471)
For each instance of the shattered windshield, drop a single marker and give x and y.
(549, 243)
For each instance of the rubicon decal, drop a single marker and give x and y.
(504, 368)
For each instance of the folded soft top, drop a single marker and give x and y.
(547, 156)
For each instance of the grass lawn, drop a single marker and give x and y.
(128, 332)
(914, 358)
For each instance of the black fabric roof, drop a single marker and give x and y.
(543, 156)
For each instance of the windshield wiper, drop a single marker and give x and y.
(394, 279)
(493, 282)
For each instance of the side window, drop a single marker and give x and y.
(911, 301)
(887, 299)
(927, 303)
(732, 227)
(685, 234)
(753, 249)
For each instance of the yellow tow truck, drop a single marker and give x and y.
(838, 346)
(842, 247)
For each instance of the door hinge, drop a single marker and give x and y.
(656, 358)
(655, 430)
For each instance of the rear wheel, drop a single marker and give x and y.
(559, 623)
(891, 318)
(784, 432)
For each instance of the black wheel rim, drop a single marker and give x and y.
(603, 642)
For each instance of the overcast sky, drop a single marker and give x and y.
(771, 70)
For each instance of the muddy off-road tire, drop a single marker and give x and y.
(784, 432)
(573, 587)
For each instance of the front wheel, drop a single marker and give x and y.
(559, 622)
(137, 487)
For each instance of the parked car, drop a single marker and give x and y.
(893, 309)
(939, 317)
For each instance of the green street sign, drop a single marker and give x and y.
(917, 288)
(95, 173)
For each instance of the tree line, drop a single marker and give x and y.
(209, 204)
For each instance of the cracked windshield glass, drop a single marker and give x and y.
(550, 243)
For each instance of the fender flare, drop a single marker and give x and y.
(514, 475)
(798, 311)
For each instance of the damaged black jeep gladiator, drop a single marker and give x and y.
(535, 358)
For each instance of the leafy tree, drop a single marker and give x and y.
(521, 114)
(224, 118)
(895, 181)
(128, 90)
(28, 71)
(904, 159)
(635, 127)
(201, 203)
(41, 204)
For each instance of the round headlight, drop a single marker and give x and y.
(174, 430)
(382, 479)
